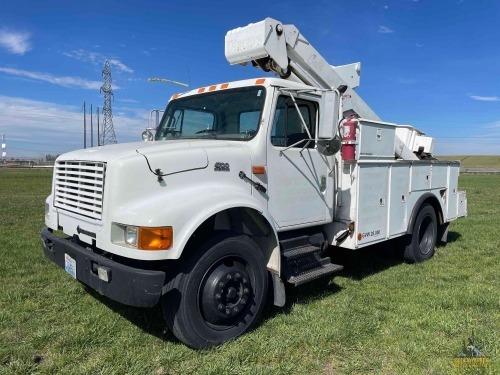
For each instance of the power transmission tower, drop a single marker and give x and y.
(107, 135)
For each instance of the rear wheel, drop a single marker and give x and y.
(419, 245)
(220, 293)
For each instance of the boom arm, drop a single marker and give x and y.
(280, 48)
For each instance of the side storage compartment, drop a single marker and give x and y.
(462, 204)
(376, 140)
(421, 173)
(399, 195)
(372, 202)
(452, 193)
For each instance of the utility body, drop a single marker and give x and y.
(243, 188)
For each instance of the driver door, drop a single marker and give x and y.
(298, 181)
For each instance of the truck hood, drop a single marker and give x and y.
(170, 157)
(110, 152)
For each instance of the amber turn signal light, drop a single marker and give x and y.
(259, 169)
(156, 238)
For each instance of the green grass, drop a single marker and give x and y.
(475, 161)
(379, 316)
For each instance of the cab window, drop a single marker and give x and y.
(287, 128)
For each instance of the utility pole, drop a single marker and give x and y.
(98, 130)
(84, 126)
(4, 151)
(91, 128)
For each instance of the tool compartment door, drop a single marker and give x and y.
(372, 202)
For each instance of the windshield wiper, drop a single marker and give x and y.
(208, 132)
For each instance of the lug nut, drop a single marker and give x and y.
(237, 276)
(236, 310)
(228, 312)
(244, 281)
(243, 301)
(229, 276)
(220, 307)
(218, 296)
(221, 285)
(246, 290)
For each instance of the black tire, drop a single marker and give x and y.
(420, 245)
(219, 294)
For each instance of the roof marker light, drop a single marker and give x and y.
(260, 81)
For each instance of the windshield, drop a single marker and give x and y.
(228, 114)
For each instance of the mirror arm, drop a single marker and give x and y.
(301, 118)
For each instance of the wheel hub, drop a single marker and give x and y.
(225, 294)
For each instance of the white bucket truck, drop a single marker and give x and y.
(242, 189)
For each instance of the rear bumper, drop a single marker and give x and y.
(128, 285)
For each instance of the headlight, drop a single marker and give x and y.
(142, 238)
(131, 235)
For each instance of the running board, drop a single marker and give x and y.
(303, 262)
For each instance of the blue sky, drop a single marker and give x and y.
(432, 64)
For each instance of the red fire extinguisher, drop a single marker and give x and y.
(349, 138)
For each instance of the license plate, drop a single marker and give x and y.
(70, 265)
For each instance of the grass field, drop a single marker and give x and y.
(475, 161)
(379, 316)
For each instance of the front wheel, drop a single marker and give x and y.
(420, 244)
(219, 294)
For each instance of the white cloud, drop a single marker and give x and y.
(485, 98)
(493, 125)
(15, 42)
(418, 45)
(384, 30)
(97, 58)
(386, 7)
(36, 128)
(128, 100)
(121, 66)
(85, 56)
(60, 81)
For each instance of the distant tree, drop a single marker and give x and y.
(51, 157)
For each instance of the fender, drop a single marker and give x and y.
(225, 202)
(434, 201)
(185, 210)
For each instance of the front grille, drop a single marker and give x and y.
(79, 187)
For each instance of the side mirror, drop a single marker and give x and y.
(329, 115)
(329, 147)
